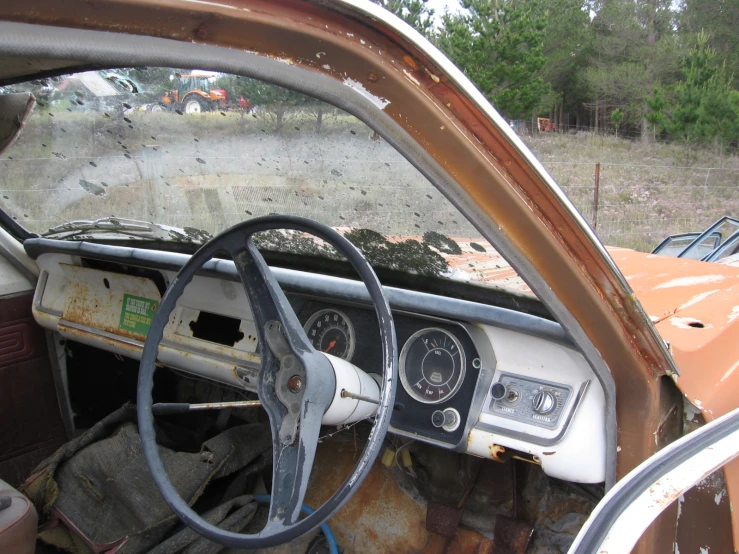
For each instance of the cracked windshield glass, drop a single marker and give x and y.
(181, 154)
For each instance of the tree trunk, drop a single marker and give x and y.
(561, 122)
(652, 36)
(644, 130)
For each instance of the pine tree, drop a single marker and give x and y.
(414, 12)
(498, 44)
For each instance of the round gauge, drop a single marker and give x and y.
(330, 331)
(432, 366)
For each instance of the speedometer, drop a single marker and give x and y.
(331, 331)
(432, 365)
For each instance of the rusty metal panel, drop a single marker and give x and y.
(381, 517)
(442, 519)
(513, 534)
(94, 299)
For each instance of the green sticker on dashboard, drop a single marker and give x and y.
(137, 314)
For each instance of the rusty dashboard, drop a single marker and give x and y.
(474, 378)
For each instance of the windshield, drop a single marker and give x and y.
(195, 152)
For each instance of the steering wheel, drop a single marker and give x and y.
(296, 383)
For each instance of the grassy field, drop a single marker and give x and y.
(646, 191)
(213, 170)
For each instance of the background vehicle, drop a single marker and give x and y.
(718, 243)
(193, 93)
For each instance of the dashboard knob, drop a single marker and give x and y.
(451, 419)
(498, 391)
(544, 402)
(448, 419)
(438, 418)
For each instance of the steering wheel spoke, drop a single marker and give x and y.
(292, 465)
(268, 302)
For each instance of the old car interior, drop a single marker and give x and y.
(272, 329)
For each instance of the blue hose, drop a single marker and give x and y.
(330, 539)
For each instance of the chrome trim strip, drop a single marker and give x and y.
(100, 332)
(39, 295)
(212, 355)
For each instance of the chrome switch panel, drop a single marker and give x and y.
(532, 401)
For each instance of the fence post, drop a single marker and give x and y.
(596, 190)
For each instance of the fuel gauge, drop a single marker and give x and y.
(432, 366)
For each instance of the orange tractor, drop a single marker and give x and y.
(192, 95)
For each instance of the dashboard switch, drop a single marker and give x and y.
(448, 419)
(451, 420)
(499, 391)
(544, 402)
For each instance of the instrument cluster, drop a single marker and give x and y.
(438, 365)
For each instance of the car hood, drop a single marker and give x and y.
(695, 307)
(679, 294)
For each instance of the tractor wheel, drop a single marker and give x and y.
(156, 108)
(194, 106)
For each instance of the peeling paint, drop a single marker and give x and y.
(728, 373)
(411, 78)
(381, 103)
(697, 298)
(691, 281)
(734, 314)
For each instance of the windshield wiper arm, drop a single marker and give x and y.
(115, 225)
(133, 228)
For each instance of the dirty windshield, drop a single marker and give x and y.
(181, 154)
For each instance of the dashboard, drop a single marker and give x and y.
(474, 378)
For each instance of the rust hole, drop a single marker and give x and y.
(106, 283)
(696, 324)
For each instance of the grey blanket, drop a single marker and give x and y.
(95, 494)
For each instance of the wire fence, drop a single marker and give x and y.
(637, 205)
